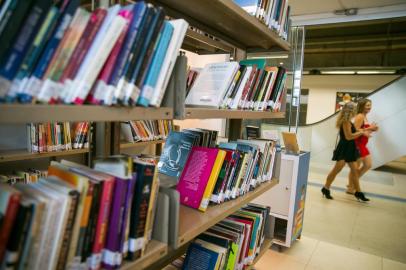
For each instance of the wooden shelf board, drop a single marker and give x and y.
(206, 113)
(21, 113)
(226, 20)
(193, 222)
(14, 155)
(125, 145)
(155, 251)
(265, 246)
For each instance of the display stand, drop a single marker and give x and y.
(287, 199)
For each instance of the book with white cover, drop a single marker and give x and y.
(106, 37)
(179, 31)
(210, 86)
(234, 103)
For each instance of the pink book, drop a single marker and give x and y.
(98, 92)
(195, 175)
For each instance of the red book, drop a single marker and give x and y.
(96, 95)
(248, 86)
(9, 203)
(84, 44)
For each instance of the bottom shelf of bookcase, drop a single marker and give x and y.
(22, 154)
(155, 251)
(264, 248)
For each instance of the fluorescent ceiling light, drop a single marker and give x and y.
(338, 72)
(366, 72)
(267, 56)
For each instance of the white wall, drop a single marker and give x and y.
(323, 89)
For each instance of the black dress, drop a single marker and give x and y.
(346, 149)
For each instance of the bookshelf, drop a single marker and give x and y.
(204, 113)
(15, 155)
(193, 222)
(19, 113)
(227, 21)
(126, 145)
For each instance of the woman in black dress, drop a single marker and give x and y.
(346, 151)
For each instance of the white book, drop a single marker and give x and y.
(105, 39)
(179, 31)
(234, 103)
(210, 86)
(269, 12)
(263, 105)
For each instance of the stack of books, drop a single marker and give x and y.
(273, 13)
(57, 52)
(51, 137)
(145, 130)
(26, 176)
(248, 85)
(207, 174)
(78, 217)
(233, 243)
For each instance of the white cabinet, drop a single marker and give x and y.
(287, 199)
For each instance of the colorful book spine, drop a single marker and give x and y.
(101, 92)
(156, 64)
(8, 221)
(102, 223)
(24, 39)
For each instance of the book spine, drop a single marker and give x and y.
(123, 244)
(151, 211)
(66, 240)
(99, 58)
(101, 93)
(145, 174)
(156, 64)
(16, 54)
(102, 223)
(93, 25)
(8, 221)
(111, 249)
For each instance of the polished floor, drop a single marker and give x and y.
(346, 234)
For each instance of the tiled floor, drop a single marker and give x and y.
(346, 234)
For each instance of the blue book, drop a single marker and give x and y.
(139, 10)
(175, 154)
(51, 48)
(155, 67)
(249, 6)
(199, 257)
(15, 55)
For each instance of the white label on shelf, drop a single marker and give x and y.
(234, 194)
(108, 96)
(35, 86)
(15, 86)
(4, 86)
(95, 261)
(204, 203)
(108, 257)
(125, 247)
(100, 90)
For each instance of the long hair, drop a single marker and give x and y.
(361, 104)
(346, 114)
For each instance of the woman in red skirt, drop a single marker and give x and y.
(361, 124)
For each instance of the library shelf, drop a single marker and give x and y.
(265, 246)
(21, 113)
(155, 250)
(23, 154)
(193, 222)
(227, 21)
(125, 145)
(206, 113)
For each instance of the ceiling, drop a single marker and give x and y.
(305, 7)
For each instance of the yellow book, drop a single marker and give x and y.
(212, 180)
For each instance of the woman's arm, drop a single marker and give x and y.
(348, 133)
(358, 121)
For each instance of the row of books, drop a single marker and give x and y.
(145, 130)
(273, 13)
(57, 52)
(192, 74)
(78, 217)
(233, 243)
(248, 85)
(207, 174)
(26, 176)
(51, 137)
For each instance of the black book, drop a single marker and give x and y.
(11, 23)
(139, 208)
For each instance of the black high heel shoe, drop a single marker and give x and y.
(326, 193)
(361, 196)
